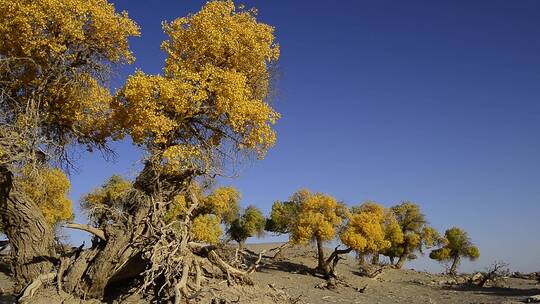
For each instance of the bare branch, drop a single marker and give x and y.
(93, 230)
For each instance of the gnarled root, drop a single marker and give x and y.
(29, 291)
(208, 251)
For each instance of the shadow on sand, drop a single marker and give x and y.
(287, 266)
(496, 291)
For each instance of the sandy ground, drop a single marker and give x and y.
(288, 280)
(392, 286)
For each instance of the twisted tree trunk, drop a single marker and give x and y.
(135, 243)
(455, 264)
(30, 236)
(328, 268)
(118, 252)
(401, 262)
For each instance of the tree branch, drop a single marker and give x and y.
(336, 253)
(93, 230)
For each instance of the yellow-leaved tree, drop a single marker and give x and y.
(210, 105)
(284, 215)
(214, 90)
(250, 222)
(371, 229)
(456, 244)
(48, 188)
(319, 218)
(417, 234)
(55, 58)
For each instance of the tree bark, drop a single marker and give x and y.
(401, 262)
(114, 262)
(31, 238)
(361, 258)
(138, 244)
(93, 230)
(375, 259)
(320, 253)
(329, 267)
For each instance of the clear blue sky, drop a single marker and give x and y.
(436, 102)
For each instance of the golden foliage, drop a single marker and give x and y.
(102, 202)
(364, 233)
(319, 217)
(371, 228)
(48, 188)
(456, 244)
(221, 206)
(214, 89)
(112, 191)
(416, 234)
(430, 236)
(206, 228)
(58, 53)
(179, 207)
(222, 202)
(392, 230)
(47, 29)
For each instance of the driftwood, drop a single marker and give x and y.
(495, 271)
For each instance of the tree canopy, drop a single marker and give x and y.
(55, 58)
(284, 215)
(456, 244)
(371, 228)
(212, 98)
(417, 235)
(319, 217)
(250, 223)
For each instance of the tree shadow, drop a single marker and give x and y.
(495, 291)
(4, 268)
(7, 299)
(287, 266)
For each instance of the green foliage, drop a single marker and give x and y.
(250, 223)
(417, 235)
(282, 217)
(456, 244)
(102, 203)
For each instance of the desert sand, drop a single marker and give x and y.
(288, 279)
